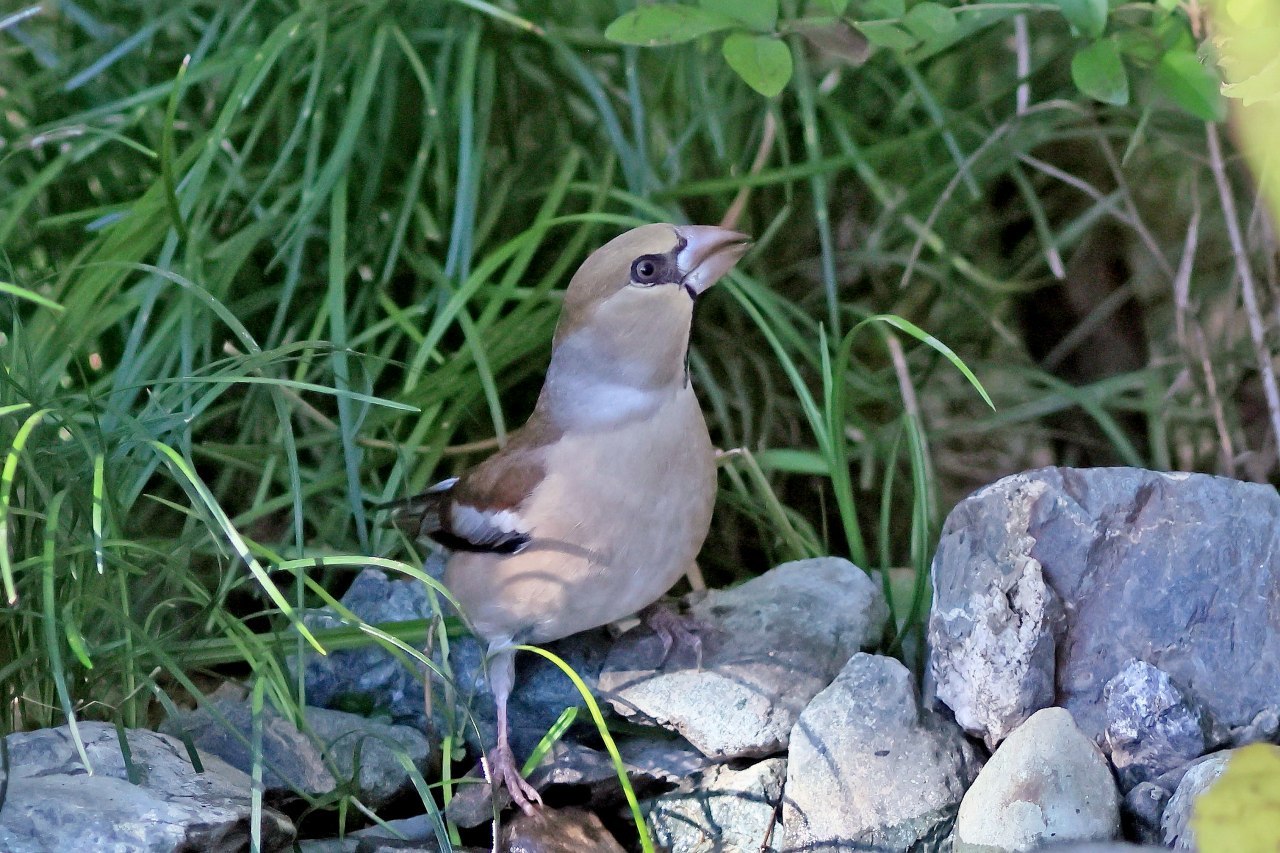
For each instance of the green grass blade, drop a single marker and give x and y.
(642, 828)
(6, 497)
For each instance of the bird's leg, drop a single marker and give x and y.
(502, 768)
(673, 629)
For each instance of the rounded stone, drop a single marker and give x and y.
(1046, 783)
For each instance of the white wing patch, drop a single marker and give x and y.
(501, 529)
(443, 486)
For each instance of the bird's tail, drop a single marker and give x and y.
(421, 515)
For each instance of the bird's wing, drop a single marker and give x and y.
(479, 511)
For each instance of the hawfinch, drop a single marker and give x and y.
(598, 505)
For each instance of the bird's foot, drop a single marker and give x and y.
(503, 772)
(674, 629)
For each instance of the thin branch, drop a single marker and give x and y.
(1144, 233)
(1257, 331)
(1215, 404)
(1083, 186)
(770, 135)
(1182, 278)
(996, 135)
(1022, 54)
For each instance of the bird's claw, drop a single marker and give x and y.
(673, 629)
(503, 773)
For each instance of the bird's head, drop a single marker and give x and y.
(624, 332)
(624, 329)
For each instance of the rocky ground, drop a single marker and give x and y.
(1104, 649)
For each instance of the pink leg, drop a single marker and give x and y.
(502, 769)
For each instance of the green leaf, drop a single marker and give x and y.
(1189, 84)
(885, 34)
(1099, 73)
(764, 62)
(883, 9)
(759, 15)
(1087, 16)
(838, 6)
(930, 20)
(6, 490)
(666, 23)
(1139, 46)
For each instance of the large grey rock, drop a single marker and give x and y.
(769, 646)
(53, 804)
(1151, 727)
(869, 770)
(721, 811)
(1046, 583)
(370, 679)
(1047, 782)
(375, 681)
(310, 763)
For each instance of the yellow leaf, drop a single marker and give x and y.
(1240, 813)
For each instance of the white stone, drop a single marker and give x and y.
(1046, 783)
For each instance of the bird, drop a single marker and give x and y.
(598, 505)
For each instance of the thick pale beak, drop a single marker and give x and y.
(709, 253)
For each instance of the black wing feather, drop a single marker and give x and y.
(436, 514)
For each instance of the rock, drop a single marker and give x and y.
(550, 830)
(993, 621)
(329, 845)
(1175, 823)
(1151, 728)
(1047, 582)
(664, 759)
(868, 769)
(294, 761)
(565, 764)
(11, 843)
(1047, 782)
(52, 803)
(1142, 809)
(406, 834)
(770, 645)
(373, 680)
(370, 680)
(722, 810)
(542, 691)
(568, 763)
(1230, 802)
(1263, 728)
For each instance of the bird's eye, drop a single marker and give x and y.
(646, 270)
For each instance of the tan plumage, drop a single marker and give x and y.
(599, 504)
